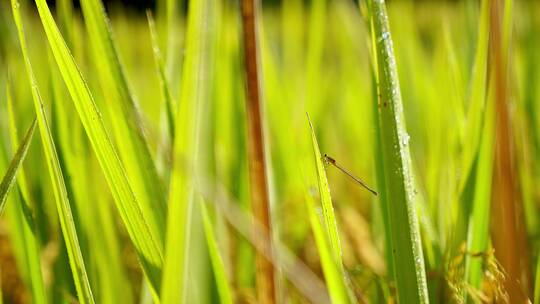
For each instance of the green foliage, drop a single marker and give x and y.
(408, 259)
(138, 190)
(225, 294)
(186, 153)
(327, 234)
(63, 206)
(148, 241)
(9, 177)
(25, 223)
(125, 119)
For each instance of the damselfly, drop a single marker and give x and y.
(329, 160)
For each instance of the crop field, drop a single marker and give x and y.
(233, 151)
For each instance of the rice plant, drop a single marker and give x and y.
(159, 151)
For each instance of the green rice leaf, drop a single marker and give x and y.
(333, 272)
(125, 118)
(477, 97)
(327, 235)
(96, 222)
(326, 201)
(148, 239)
(186, 151)
(406, 248)
(160, 65)
(65, 215)
(224, 290)
(478, 225)
(9, 177)
(23, 217)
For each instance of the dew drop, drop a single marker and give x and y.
(384, 36)
(405, 139)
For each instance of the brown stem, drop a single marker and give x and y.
(508, 231)
(257, 169)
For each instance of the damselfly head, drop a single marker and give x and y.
(328, 160)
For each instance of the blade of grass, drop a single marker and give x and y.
(65, 215)
(407, 252)
(316, 39)
(147, 239)
(328, 244)
(168, 16)
(333, 271)
(381, 183)
(66, 23)
(477, 97)
(471, 139)
(24, 216)
(186, 152)
(9, 177)
(266, 287)
(225, 293)
(164, 82)
(95, 221)
(326, 200)
(125, 118)
(478, 224)
(365, 8)
(478, 157)
(472, 220)
(455, 231)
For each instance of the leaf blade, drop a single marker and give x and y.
(24, 217)
(9, 177)
(127, 125)
(224, 291)
(406, 243)
(185, 152)
(147, 239)
(65, 215)
(327, 235)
